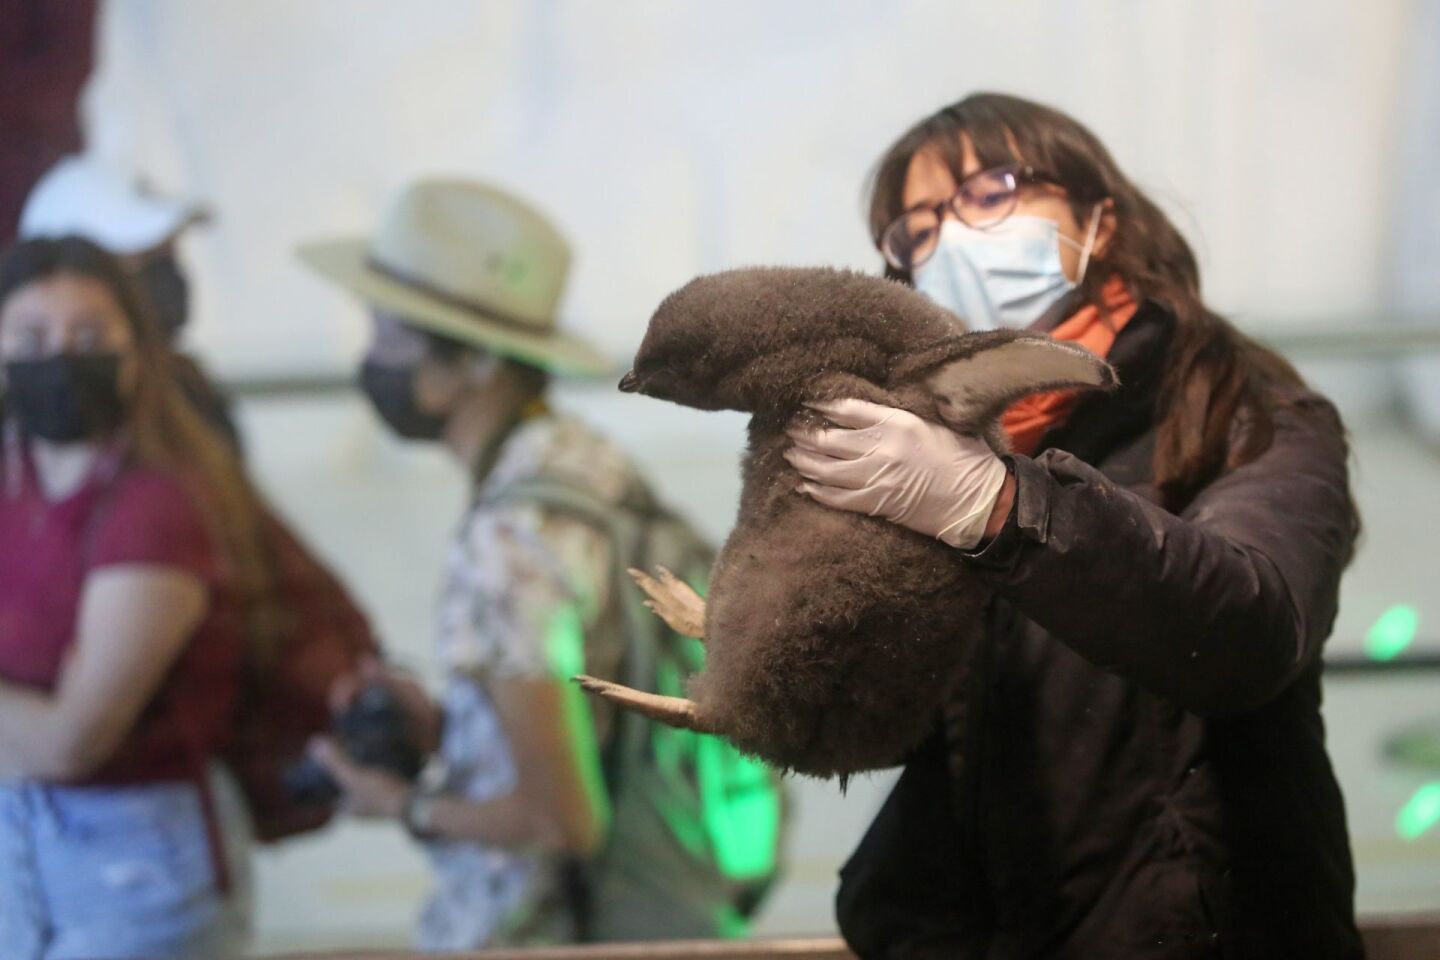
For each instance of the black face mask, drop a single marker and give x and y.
(65, 397)
(392, 392)
(167, 292)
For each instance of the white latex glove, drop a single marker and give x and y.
(890, 463)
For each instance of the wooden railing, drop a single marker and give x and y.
(1408, 937)
(1402, 937)
(818, 949)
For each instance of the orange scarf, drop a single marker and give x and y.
(1029, 418)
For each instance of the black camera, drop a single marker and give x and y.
(373, 731)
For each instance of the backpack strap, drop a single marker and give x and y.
(626, 526)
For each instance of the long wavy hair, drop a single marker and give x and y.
(1215, 376)
(160, 425)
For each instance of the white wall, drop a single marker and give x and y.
(1415, 241)
(670, 138)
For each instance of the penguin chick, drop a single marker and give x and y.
(831, 638)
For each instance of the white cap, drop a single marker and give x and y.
(81, 195)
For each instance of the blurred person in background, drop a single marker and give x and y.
(47, 49)
(463, 280)
(1135, 764)
(131, 582)
(87, 197)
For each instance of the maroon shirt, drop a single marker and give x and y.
(125, 515)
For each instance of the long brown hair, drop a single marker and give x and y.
(1215, 376)
(161, 426)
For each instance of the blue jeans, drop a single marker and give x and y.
(112, 873)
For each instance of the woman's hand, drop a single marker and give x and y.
(890, 463)
(365, 791)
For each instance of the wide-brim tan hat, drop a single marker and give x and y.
(469, 262)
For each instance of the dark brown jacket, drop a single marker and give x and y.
(1136, 766)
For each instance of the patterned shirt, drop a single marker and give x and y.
(527, 594)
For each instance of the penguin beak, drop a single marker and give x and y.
(629, 383)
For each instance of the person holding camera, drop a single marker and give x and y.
(462, 280)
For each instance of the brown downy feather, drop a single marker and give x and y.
(832, 638)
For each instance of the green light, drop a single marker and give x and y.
(565, 648)
(1420, 813)
(741, 808)
(565, 642)
(1392, 632)
(739, 804)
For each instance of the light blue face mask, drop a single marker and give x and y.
(1007, 275)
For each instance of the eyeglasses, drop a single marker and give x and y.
(983, 200)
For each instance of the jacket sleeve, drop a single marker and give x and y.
(1217, 609)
